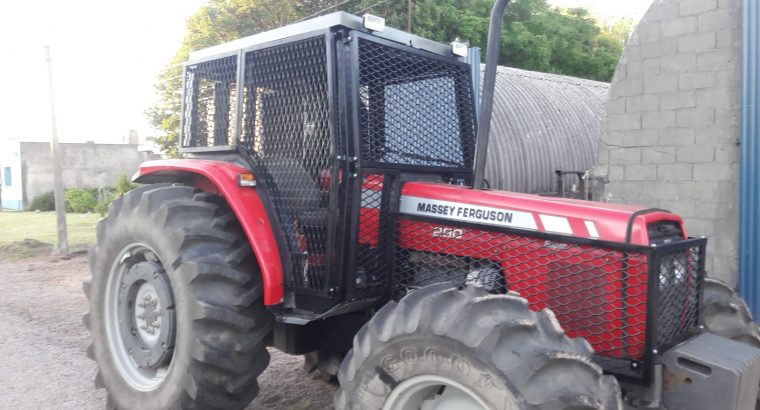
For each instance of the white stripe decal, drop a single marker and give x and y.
(591, 227)
(456, 211)
(556, 224)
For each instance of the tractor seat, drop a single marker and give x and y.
(296, 193)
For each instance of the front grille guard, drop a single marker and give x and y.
(629, 302)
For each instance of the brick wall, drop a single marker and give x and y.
(671, 132)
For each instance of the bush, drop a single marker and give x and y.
(80, 200)
(105, 196)
(43, 202)
(123, 185)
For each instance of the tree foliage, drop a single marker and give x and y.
(535, 37)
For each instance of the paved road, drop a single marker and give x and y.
(42, 346)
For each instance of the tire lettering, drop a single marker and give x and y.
(460, 365)
(409, 356)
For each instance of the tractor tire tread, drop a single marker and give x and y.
(205, 234)
(490, 326)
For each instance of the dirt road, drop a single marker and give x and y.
(43, 341)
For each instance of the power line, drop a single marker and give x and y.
(374, 5)
(344, 2)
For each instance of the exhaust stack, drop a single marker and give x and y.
(489, 83)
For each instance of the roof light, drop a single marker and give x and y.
(460, 48)
(247, 180)
(373, 23)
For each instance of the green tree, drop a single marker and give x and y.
(535, 36)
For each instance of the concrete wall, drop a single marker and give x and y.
(11, 194)
(670, 137)
(84, 165)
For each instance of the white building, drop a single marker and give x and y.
(11, 192)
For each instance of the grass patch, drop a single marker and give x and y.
(41, 226)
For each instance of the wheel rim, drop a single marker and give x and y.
(139, 317)
(428, 392)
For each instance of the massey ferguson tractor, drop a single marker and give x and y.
(332, 205)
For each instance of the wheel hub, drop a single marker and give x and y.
(146, 314)
(140, 317)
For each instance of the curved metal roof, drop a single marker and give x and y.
(542, 123)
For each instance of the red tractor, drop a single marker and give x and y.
(332, 205)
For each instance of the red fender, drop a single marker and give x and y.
(221, 178)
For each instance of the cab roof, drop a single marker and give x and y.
(326, 22)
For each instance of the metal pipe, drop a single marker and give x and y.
(473, 58)
(489, 83)
(749, 220)
(654, 399)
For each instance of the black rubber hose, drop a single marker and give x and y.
(489, 83)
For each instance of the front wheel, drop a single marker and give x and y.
(175, 298)
(444, 348)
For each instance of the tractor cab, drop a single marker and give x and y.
(331, 115)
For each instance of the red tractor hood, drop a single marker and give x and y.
(584, 219)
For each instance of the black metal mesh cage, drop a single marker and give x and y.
(210, 101)
(679, 288)
(414, 109)
(375, 228)
(599, 293)
(286, 129)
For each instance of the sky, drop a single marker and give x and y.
(634, 9)
(106, 56)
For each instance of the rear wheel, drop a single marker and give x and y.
(726, 314)
(175, 298)
(444, 348)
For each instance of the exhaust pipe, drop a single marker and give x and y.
(489, 83)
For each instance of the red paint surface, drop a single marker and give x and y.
(611, 220)
(581, 284)
(221, 178)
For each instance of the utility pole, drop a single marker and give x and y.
(60, 207)
(409, 11)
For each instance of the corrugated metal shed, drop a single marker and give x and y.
(542, 123)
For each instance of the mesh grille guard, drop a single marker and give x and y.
(628, 301)
(415, 110)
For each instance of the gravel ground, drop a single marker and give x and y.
(42, 345)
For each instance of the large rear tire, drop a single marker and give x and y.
(468, 349)
(175, 300)
(726, 314)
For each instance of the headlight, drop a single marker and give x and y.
(673, 271)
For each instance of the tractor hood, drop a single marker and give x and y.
(584, 219)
